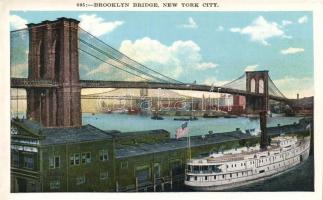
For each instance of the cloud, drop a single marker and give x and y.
(220, 28)
(292, 50)
(286, 22)
(112, 70)
(19, 70)
(170, 60)
(203, 66)
(260, 30)
(191, 24)
(302, 20)
(290, 86)
(174, 60)
(103, 68)
(17, 22)
(214, 81)
(97, 25)
(251, 68)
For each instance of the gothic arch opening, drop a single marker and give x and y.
(253, 85)
(261, 86)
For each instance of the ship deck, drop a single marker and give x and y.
(239, 156)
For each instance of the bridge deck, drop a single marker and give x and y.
(25, 83)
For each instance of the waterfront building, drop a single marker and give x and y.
(87, 159)
(60, 159)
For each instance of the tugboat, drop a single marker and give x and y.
(157, 117)
(243, 166)
(191, 118)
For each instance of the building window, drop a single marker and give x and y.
(29, 162)
(77, 158)
(54, 185)
(32, 186)
(142, 173)
(205, 177)
(104, 155)
(15, 158)
(157, 170)
(214, 177)
(54, 162)
(80, 180)
(104, 175)
(124, 164)
(86, 158)
(176, 167)
(72, 162)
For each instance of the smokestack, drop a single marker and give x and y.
(263, 128)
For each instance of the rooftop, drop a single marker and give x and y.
(73, 135)
(65, 135)
(214, 138)
(173, 144)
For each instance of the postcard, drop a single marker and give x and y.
(205, 99)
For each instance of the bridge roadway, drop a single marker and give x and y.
(25, 83)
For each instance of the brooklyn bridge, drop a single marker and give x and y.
(56, 49)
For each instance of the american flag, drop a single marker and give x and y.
(182, 131)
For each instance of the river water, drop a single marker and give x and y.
(202, 126)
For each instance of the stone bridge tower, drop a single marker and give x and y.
(257, 82)
(53, 56)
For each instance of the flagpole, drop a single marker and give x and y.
(189, 145)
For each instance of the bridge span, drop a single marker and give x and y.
(53, 85)
(84, 84)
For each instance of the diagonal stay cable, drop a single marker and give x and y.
(277, 88)
(121, 62)
(92, 36)
(237, 79)
(112, 64)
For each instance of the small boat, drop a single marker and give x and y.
(210, 116)
(157, 117)
(133, 111)
(230, 116)
(119, 111)
(186, 119)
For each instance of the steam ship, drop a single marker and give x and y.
(243, 166)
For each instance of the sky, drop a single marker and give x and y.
(206, 47)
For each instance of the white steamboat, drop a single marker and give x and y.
(242, 166)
